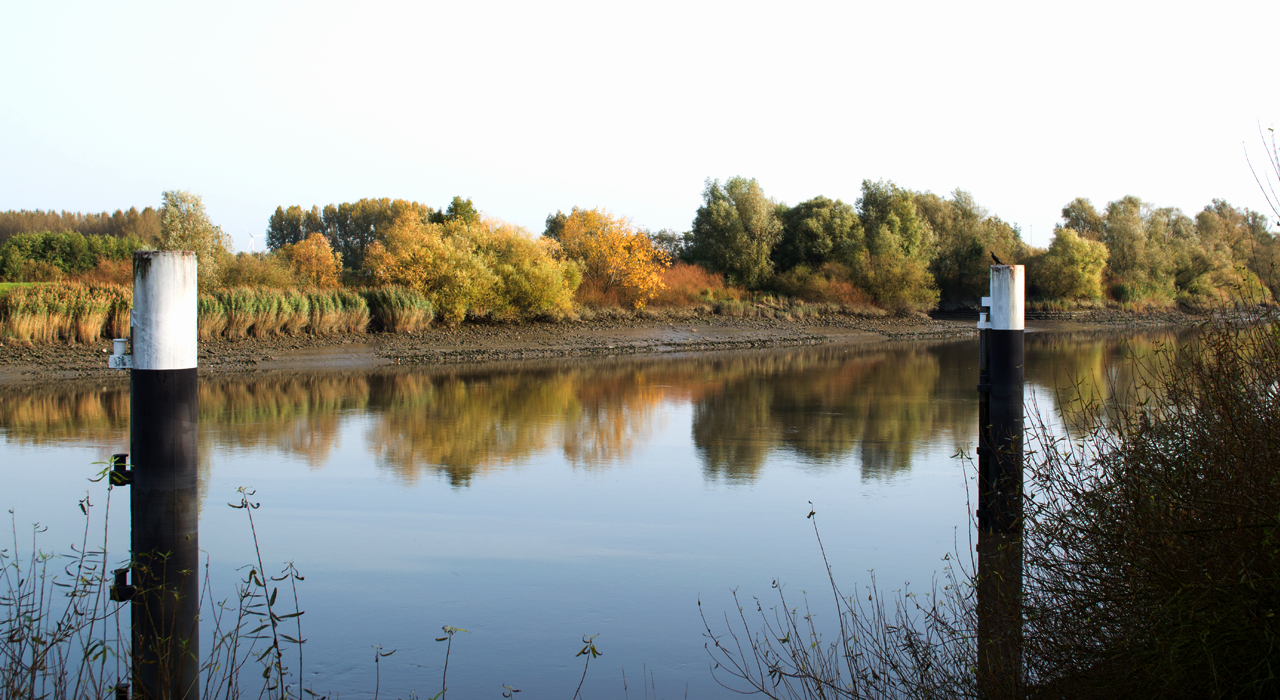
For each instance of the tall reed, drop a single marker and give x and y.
(238, 305)
(65, 311)
(323, 312)
(397, 309)
(354, 314)
(266, 313)
(211, 316)
(295, 311)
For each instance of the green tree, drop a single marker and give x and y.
(892, 223)
(1080, 216)
(1138, 266)
(1071, 268)
(184, 225)
(816, 232)
(555, 224)
(735, 230)
(673, 243)
(894, 267)
(458, 210)
(353, 226)
(966, 236)
(293, 225)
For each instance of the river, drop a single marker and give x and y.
(534, 505)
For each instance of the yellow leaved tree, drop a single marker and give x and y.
(314, 262)
(483, 267)
(616, 259)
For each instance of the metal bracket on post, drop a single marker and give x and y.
(121, 475)
(120, 359)
(121, 591)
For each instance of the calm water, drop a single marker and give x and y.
(533, 505)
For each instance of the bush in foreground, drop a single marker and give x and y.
(1152, 557)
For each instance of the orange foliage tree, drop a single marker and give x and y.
(314, 262)
(615, 257)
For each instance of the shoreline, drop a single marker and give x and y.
(647, 333)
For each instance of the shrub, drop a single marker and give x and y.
(829, 284)
(1071, 268)
(257, 270)
(616, 259)
(68, 252)
(477, 268)
(898, 282)
(687, 284)
(1151, 560)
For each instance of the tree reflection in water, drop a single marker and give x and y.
(821, 407)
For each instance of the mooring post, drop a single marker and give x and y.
(165, 542)
(1001, 357)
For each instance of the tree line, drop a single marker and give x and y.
(892, 247)
(143, 224)
(910, 249)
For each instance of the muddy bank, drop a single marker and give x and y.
(477, 343)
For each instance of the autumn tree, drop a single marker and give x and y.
(314, 262)
(184, 225)
(613, 255)
(482, 268)
(351, 227)
(735, 231)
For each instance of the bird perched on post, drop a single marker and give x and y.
(993, 257)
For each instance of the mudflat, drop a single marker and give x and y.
(622, 334)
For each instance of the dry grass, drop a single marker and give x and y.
(692, 285)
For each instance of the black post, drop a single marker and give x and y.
(164, 503)
(1001, 353)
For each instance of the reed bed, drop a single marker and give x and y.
(242, 312)
(64, 312)
(398, 310)
(73, 312)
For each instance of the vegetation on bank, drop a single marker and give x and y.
(1150, 560)
(892, 250)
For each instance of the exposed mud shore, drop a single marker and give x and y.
(469, 343)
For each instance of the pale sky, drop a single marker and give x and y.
(530, 107)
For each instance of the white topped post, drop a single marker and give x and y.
(164, 502)
(1001, 356)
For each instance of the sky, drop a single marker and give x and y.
(528, 108)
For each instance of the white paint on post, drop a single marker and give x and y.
(1006, 301)
(164, 309)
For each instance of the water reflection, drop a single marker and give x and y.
(821, 407)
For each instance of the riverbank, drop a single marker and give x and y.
(648, 332)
